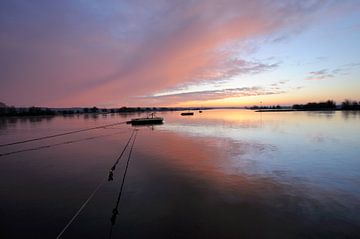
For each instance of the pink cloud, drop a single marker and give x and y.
(92, 54)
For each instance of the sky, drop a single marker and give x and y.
(178, 53)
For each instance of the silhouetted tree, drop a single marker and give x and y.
(327, 105)
(94, 109)
(11, 111)
(350, 105)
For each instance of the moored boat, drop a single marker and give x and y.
(151, 119)
(187, 113)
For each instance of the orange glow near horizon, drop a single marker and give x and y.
(256, 100)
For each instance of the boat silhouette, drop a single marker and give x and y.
(187, 113)
(150, 119)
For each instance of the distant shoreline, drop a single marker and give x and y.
(330, 105)
(49, 112)
(291, 110)
(170, 110)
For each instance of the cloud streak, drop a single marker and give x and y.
(214, 94)
(320, 75)
(330, 73)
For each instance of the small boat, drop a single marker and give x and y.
(150, 119)
(200, 111)
(187, 113)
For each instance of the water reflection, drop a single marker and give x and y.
(8, 121)
(206, 179)
(327, 114)
(115, 210)
(350, 114)
(218, 174)
(91, 116)
(47, 146)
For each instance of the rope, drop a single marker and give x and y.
(81, 208)
(118, 159)
(62, 134)
(92, 194)
(115, 211)
(58, 144)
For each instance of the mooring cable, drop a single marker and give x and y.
(61, 134)
(58, 144)
(118, 159)
(93, 193)
(81, 208)
(115, 211)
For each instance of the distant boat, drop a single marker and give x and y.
(200, 111)
(150, 119)
(187, 113)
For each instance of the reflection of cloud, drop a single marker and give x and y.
(321, 138)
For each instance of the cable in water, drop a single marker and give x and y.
(111, 172)
(61, 134)
(91, 195)
(58, 144)
(115, 211)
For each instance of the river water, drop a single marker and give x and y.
(217, 174)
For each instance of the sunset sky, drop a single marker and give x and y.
(178, 53)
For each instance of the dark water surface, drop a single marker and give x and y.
(219, 174)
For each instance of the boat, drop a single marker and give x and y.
(200, 111)
(150, 119)
(187, 113)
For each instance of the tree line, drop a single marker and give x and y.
(350, 105)
(328, 105)
(39, 111)
(322, 105)
(31, 111)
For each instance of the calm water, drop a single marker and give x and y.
(219, 174)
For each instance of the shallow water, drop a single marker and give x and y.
(218, 174)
